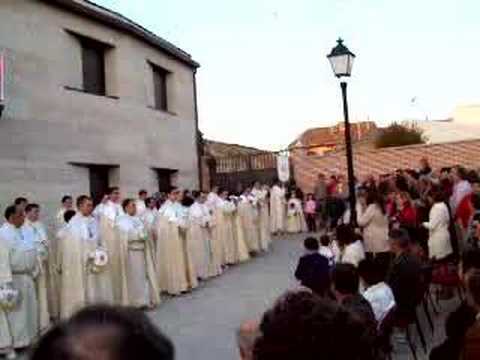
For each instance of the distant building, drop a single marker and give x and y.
(92, 100)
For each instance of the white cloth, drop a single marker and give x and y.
(460, 190)
(439, 244)
(353, 253)
(277, 209)
(141, 207)
(199, 224)
(328, 253)
(213, 201)
(375, 229)
(109, 209)
(381, 298)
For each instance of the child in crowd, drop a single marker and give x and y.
(326, 249)
(295, 219)
(310, 210)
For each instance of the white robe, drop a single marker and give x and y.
(250, 218)
(295, 218)
(261, 196)
(439, 245)
(198, 234)
(19, 267)
(141, 207)
(277, 209)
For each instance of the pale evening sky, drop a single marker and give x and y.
(264, 77)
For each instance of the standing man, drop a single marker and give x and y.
(18, 270)
(140, 202)
(67, 204)
(320, 193)
(139, 281)
(277, 208)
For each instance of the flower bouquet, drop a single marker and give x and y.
(9, 297)
(98, 260)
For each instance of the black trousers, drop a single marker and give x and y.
(311, 222)
(383, 260)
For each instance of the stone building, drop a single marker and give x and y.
(91, 100)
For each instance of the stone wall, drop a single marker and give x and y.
(376, 162)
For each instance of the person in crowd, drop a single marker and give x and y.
(277, 208)
(139, 285)
(107, 213)
(19, 325)
(295, 218)
(472, 236)
(199, 233)
(377, 292)
(303, 326)
(171, 266)
(320, 194)
(248, 210)
(148, 218)
(345, 287)
(67, 204)
(234, 210)
(183, 205)
(407, 215)
(463, 317)
(313, 270)
(213, 198)
(326, 249)
(311, 213)
(247, 334)
(460, 199)
(425, 168)
(403, 276)
(103, 332)
(439, 244)
(350, 246)
(471, 343)
(80, 282)
(374, 222)
(140, 202)
(21, 203)
(264, 217)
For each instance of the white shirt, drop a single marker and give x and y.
(133, 226)
(110, 210)
(328, 253)
(460, 190)
(141, 207)
(199, 214)
(85, 228)
(380, 296)
(353, 253)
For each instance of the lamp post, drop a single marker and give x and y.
(341, 60)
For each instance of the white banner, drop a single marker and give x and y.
(283, 167)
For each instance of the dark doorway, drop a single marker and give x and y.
(164, 178)
(99, 182)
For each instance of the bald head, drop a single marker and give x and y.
(247, 333)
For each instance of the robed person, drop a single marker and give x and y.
(248, 210)
(224, 241)
(139, 283)
(261, 195)
(277, 208)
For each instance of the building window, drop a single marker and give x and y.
(164, 178)
(160, 90)
(99, 181)
(93, 66)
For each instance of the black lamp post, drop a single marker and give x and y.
(341, 60)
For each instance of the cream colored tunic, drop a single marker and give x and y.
(295, 218)
(224, 236)
(199, 222)
(188, 247)
(277, 209)
(20, 264)
(264, 218)
(249, 216)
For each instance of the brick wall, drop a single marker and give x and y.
(383, 161)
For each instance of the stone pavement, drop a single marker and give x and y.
(202, 324)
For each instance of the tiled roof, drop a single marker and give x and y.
(221, 149)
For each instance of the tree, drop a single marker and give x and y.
(400, 134)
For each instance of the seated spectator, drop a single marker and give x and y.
(458, 322)
(350, 246)
(471, 343)
(104, 332)
(377, 292)
(326, 249)
(304, 326)
(247, 334)
(404, 275)
(313, 270)
(345, 287)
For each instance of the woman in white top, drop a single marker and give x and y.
(350, 246)
(439, 244)
(374, 222)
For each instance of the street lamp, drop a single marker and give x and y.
(341, 60)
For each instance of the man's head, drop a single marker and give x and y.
(311, 244)
(370, 272)
(67, 202)
(459, 174)
(325, 240)
(304, 326)
(129, 207)
(85, 205)
(247, 333)
(223, 194)
(32, 211)
(21, 203)
(345, 281)
(15, 216)
(399, 241)
(142, 194)
(113, 194)
(105, 333)
(68, 215)
(174, 194)
(150, 203)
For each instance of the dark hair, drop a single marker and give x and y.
(345, 234)
(126, 202)
(345, 278)
(196, 194)
(172, 189)
(304, 326)
(31, 207)
(126, 333)
(187, 201)
(462, 172)
(476, 201)
(373, 197)
(66, 198)
(325, 240)
(148, 201)
(68, 215)
(470, 259)
(10, 211)
(401, 237)
(20, 200)
(142, 192)
(437, 194)
(81, 199)
(370, 271)
(311, 244)
(112, 189)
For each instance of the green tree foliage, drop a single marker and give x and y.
(400, 134)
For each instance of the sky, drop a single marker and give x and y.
(265, 78)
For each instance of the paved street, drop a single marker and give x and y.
(202, 324)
